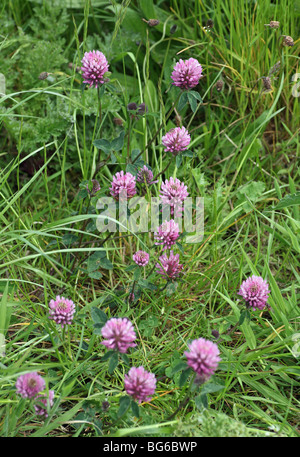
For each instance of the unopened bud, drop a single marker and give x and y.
(105, 405)
(118, 121)
(215, 333)
(219, 85)
(132, 107)
(173, 29)
(288, 40)
(267, 83)
(142, 109)
(152, 22)
(44, 75)
(273, 24)
(209, 24)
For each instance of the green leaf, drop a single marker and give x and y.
(95, 275)
(125, 359)
(113, 362)
(135, 153)
(137, 274)
(171, 288)
(135, 408)
(106, 264)
(104, 145)
(98, 328)
(192, 101)
(179, 367)
(178, 160)
(184, 377)
(289, 200)
(147, 284)
(211, 387)
(98, 316)
(187, 154)
(244, 314)
(124, 405)
(201, 402)
(132, 267)
(196, 95)
(94, 261)
(107, 356)
(117, 143)
(182, 101)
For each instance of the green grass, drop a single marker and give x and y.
(245, 165)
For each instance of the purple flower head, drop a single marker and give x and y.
(140, 384)
(123, 185)
(119, 334)
(41, 406)
(203, 357)
(62, 310)
(176, 140)
(173, 193)
(94, 67)
(145, 176)
(30, 384)
(186, 73)
(255, 291)
(141, 258)
(169, 267)
(167, 234)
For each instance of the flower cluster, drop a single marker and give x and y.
(255, 291)
(61, 310)
(140, 384)
(169, 267)
(167, 234)
(119, 334)
(141, 258)
(94, 67)
(173, 193)
(176, 140)
(30, 386)
(187, 73)
(145, 176)
(123, 185)
(203, 357)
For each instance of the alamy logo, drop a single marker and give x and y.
(2, 345)
(296, 87)
(138, 215)
(296, 347)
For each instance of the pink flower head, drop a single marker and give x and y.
(173, 193)
(61, 310)
(255, 291)
(169, 267)
(43, 401)
(119, 334)
(176, 140)
(30, 384)
(186, 73)
(141, 258)
(94, 67)
(123, 185)
(203, 357)
(140, 384)
(145, 176)
(167, 234)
